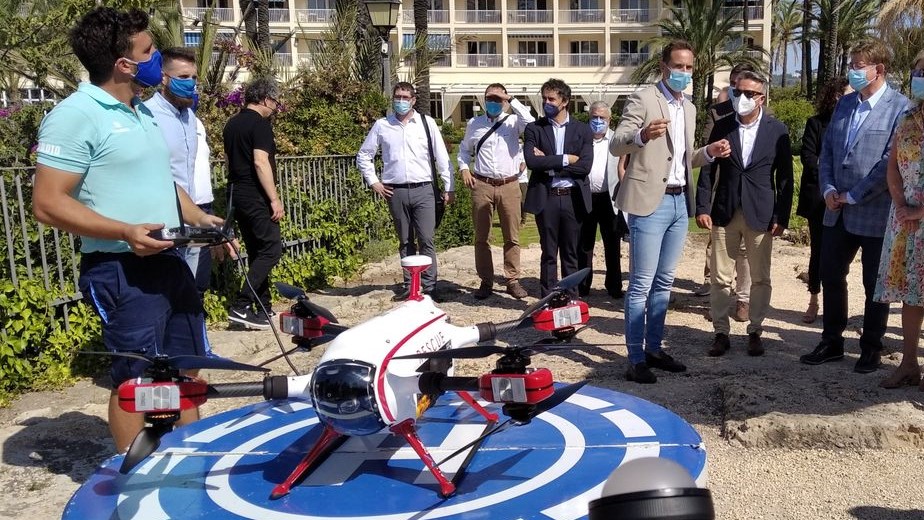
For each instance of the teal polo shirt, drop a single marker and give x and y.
(119, 153)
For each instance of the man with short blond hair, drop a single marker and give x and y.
(489, 161)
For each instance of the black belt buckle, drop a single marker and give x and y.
(673, 190)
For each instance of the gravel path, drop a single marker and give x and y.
(784, 440)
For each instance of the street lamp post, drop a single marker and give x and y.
(384, 16)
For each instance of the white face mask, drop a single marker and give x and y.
(743, 105)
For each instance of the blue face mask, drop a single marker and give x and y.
(550, 110)
(182, 87)
(678, 80)
(149, 72)
(598, 125)
(401, 106)
(917, 88)
(857, 79)
(493, 108)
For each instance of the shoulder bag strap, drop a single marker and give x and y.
(426, 125)
(488, 134)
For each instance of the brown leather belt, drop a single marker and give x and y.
(496, 182)
(560, 191)
(673, 190)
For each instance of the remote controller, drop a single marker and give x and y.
(192, 236)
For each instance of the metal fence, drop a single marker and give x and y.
(29, 249)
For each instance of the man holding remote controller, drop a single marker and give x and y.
(103, 173)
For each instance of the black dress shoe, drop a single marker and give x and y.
(616, 295)
(868, 362)
(401, 296)
(755, 345)
(664, 361)
(720, 345)
(640, 373)
(825, 351)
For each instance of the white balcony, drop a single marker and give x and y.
(581, 16)
(628, 59)
(480, 60)
(278, 15)
(219, 14)
(232, 60)
(438, 61)
(631, 16)
(528, 16)
(314, 15)
(433, 16)
(530, 60)
(755, 12)
(582, 60)
(478, 16)
(282, 59)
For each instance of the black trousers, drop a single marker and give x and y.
(839, 247)
(262, 239)
(559, 226)
(601, 215)
(815, 233)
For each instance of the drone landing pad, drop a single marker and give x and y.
(224, 466)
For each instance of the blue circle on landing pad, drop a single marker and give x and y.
(224, 466)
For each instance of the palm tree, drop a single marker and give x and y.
(838, 25)
(787, 18)
(806, 84)
(422, 55)
(710, 27)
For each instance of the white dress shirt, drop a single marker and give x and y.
(748, 136)
(405, 153)
(559, 131)
(597, 175)
(678, 125)
(499, 155)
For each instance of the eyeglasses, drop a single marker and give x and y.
(858, 66)
(746, 93)
(402, 98)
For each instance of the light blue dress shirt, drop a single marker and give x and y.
(179, 130)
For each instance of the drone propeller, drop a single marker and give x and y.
(480, 351)
(565, 284)
(294, 293)
(143, 445)
(521, 414)
(184, 362)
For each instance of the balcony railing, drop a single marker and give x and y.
(581, 16)
(478, 16)
(282, 59)
(439, 61)
(278, 15)
(480, 60)
(755, 12)
(433, 16)
(232, 60)
(525, 16)
(219, 14)
(582, 60)
(531, 60)
(631, 16)
(628, 59)
(314, 15)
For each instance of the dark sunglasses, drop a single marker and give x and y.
(746, 93)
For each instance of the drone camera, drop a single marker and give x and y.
(146, 396)
(529, 388)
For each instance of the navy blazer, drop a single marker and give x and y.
(762, 190)
(579, 140)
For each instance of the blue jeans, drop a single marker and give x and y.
(655, 244)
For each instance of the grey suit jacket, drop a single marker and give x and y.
(860, 169)
(643, 186)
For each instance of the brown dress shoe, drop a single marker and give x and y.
(516, 290)
(484, 290)
(720, 345)
(742, 311)
(755, 345)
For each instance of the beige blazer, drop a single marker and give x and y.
(642, 188)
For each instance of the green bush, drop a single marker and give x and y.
(793, 113)
(19, 133)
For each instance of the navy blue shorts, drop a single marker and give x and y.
(148, 305)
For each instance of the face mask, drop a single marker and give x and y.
(917, 88)
(148, 73)
(493, 108)
(550, 110)
(743, 105)
(401, 106)
(678, 81)
(857, 79)
(182, 87)
(598, 125)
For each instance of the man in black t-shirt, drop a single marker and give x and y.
(251, 149)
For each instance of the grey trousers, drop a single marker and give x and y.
(414, 212)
